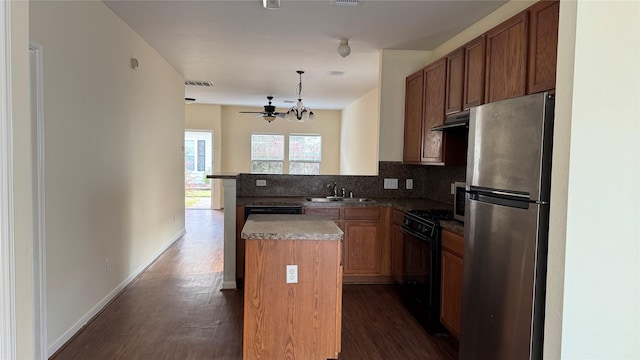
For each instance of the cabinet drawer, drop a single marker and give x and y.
(364, 213)
(332, 213)
(397, 217)
(453, 242)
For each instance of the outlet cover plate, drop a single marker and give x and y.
(261, 182)
(409, 184)
(292, 274)
(390, 183)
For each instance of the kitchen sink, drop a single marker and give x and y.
(340, 199)
(324, 199)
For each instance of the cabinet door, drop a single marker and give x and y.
(455, 81)
(543, 45)
(396, 252)
(474, 72)
(506, 67)
(413, 118)
(362, 253)
(451, 295)
(433, 114)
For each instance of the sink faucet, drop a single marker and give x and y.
(344, 192)
(335, 188)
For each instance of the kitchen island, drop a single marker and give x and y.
(293, 287)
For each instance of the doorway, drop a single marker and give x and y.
(198, 163)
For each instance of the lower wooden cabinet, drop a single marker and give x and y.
(362, 247)
(396, 245)
(451, 282)
(367, 241)
(287, 321)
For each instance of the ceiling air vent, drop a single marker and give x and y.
(198, 83)
(336, 73)
(346, 2)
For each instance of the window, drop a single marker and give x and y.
(201, 153)
(305, 154)
(267, 153)
(189, 154)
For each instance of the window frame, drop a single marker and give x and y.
(306, 161)
(268, 161)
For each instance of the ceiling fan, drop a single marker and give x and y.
(269, 112)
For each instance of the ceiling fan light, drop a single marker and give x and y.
(344, 49)
(269, 118)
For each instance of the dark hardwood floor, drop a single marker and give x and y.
(175, 310)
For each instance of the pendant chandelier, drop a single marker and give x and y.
(299, 112)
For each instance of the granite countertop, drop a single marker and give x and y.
(290, 227)
(455, 226)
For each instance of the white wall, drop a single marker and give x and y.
(395, 66)
(359, 136)
(237, 129)
(209, 117)
(114, 166)
(22, 181)
(601, 316)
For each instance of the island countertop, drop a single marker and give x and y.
(290, 227)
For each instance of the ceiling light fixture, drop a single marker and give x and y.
(299, 111)
(344, 49)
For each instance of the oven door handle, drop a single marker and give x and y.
(415, 234)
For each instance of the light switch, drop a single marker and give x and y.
(292, 274)
(261, 182)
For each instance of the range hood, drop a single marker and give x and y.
(453, 122)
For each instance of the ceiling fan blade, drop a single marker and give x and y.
(250, 112)
(280, 115)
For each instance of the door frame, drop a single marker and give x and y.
(39, 244)
(8, 334)
(210, 131)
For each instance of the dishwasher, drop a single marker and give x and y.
(271, 209)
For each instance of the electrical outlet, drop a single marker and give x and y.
(261, 182)
(409, 184)
(390, 183)
(106, 265)
(174, 218)
(292, 274)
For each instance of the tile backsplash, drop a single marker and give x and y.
(428, 182)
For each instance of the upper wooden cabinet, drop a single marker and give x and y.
(474, 64)
(413, 118)
(465, 76)
(455, 81)
(506, 59)
(543, 45)
(433, 114)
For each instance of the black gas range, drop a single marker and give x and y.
(421, 265)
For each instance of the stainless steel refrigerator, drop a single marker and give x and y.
(506, 228)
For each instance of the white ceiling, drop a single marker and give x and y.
(249, 52)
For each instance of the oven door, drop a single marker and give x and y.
(420, 289)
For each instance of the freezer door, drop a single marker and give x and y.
(499, 282)
(510, 145)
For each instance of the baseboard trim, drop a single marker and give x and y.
(95, 311)
(228, 285)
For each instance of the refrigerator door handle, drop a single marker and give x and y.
(515, 195)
